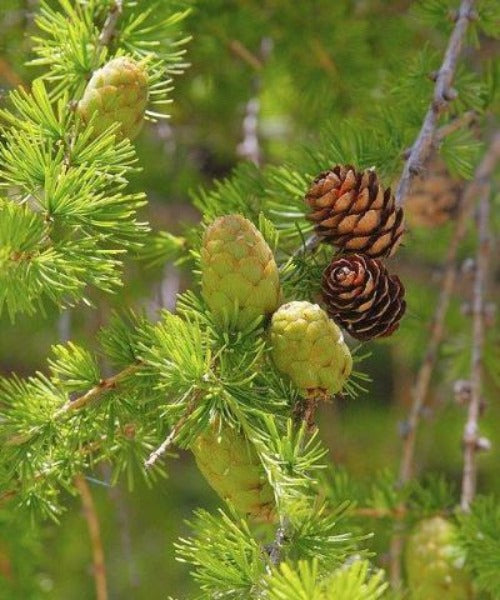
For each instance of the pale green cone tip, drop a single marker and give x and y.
(232, 467)
(309, 348)
(240, 278)
(434, 564)
(116, 93)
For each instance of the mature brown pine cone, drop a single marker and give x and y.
(434, 196)
(352, 211)
(362, 297)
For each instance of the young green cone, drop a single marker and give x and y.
(230, 464)
(116, 93)
(240, 278)
(309, 348)
(434, 564)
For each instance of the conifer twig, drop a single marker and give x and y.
(109, 27)
(424, 374)
(91, 395)
(249, 147)
(8, 73)
(275, 549)
(443, 94)
(463, 120)
(81, 402)
(470, 438)
(90, 513)
(171, 438)
(312, 242)
(241, 51)
(423, 378)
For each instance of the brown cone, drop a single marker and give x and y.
(352, 211)
(362, 297)
(434, 197)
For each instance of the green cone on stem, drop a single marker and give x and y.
(434, 563)
(116, 93)
(309, 348)
(230, 464)
(240, 278)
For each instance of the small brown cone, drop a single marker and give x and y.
(362, 297)
(434, 196)
(352, 211)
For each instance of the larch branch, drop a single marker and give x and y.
(94, 393)
(443, 94)
(464, 120)
(425, 372)
(275, 549)
(90, 513)
(424, 375)
(82, 401)
(109, 27)
(471, 431)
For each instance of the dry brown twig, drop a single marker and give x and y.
(471, 431)
(420, 151)
(109, 27)
(90, 513)
(242, 52)
(443, 95)
(424, 374)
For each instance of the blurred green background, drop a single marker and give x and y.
(298, 64)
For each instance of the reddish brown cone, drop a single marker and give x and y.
(362, 297)
(434, 198)
(352, 211)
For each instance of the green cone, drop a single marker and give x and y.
(230, 464)
(309, 348)
(240, 278)
(118, 92)
(434, 564)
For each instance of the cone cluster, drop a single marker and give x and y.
(434, 564)
(241, 288)
(352, 211)
(116, 93)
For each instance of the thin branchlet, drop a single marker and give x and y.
(448, 281)
(443, 95)
(172, 436)
(437, 330)
(92, 518)
(471, 430)
(109, 28)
